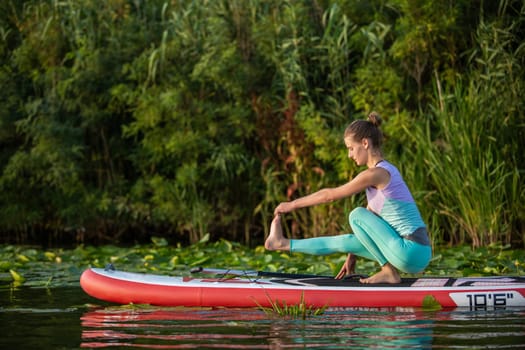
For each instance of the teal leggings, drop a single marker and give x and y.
(373, 239)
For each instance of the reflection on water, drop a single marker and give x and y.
(168, 328)
(252, 329)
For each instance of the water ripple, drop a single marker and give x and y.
(336, 329)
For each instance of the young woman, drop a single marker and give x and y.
(390, 230)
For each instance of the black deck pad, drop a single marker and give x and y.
(406, 282)
(350, 282)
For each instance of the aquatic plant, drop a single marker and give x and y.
(300, 310)
(31, 266)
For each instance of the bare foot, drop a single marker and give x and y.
(276, 240)
(388, 274)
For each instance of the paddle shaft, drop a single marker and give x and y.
(252, 273)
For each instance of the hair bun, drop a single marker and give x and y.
(375, 119)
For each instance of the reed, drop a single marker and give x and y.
(468, 182)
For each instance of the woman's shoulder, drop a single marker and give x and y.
(391, 168)
(385, 164)
(380, 175)
(397, 188)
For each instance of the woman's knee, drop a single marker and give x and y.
(357, 214)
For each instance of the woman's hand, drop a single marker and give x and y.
(284, 207)
(348, 267)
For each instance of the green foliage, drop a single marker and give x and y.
(472, 169)
(126, 119)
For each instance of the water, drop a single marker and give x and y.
(66, 318)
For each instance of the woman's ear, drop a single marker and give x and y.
(364, 142)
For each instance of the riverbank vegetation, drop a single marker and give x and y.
(122, 120)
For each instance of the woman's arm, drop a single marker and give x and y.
(377, 177)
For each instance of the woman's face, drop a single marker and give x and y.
(357, 150)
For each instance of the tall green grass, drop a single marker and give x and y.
(466, 175)
(469, 148)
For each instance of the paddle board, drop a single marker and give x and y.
(257, 289)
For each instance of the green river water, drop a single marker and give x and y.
(67, 318)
